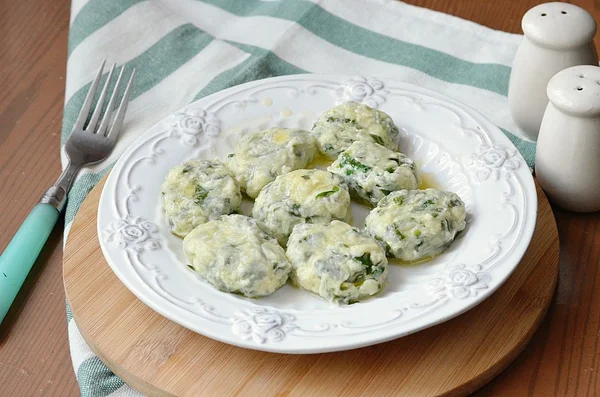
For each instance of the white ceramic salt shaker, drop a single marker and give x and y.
(557, 36)
(567, 162)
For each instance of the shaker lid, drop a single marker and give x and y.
(558, 25)
(576, 90)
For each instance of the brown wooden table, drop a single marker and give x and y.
(562, 359)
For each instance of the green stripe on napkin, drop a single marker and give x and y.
(260, 65)
(93, 16)
(82, 186)
(95, 379)
(361, 41)
(152, 66)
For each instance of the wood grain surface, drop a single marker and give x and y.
(162, 358)
(561, 360)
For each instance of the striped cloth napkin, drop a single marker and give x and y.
(186, 49)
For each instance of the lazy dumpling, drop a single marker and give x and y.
(336, 261)
(262, 156)
(373, 171)
(301, 196)
(197, 191)
(414, 224)
(344, 124)
(235, 255)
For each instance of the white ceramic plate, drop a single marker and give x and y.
(451, 143)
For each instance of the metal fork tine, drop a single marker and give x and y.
(111, 104)
(98, 109)
(114, 130)
(87, 104)
(86, 147)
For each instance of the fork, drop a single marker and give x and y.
(90, 142)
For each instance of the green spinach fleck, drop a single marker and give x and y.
(295, 210)
(377, 271)
(329, 192)
(446, 225)
(230, 155)
(365, 260)
(399, 200)
(200, 194)
(426, 204)
(357, 165)
(343, 121)
(454, 203)
(386, 246)
(377, 139)
(417, 233)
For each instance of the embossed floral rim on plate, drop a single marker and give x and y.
(451, 143)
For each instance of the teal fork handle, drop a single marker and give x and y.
(22, 251)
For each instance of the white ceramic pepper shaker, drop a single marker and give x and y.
(557, 36)
(567, 162)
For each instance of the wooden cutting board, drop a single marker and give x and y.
(161, 358)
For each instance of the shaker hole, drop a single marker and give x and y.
(563, 12)
(581, 76)
(579, 88)
(544, 14)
